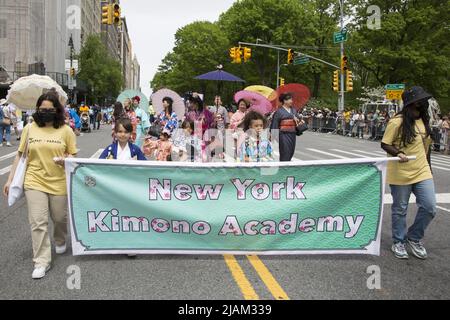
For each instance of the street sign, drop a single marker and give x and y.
(340, 36)
(301, 60)
(394, 94)
(400, 87)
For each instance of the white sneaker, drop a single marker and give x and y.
(8, 144)
(39, 272)
(61, 249)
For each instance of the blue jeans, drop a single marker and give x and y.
(426, 203)
(7, 129)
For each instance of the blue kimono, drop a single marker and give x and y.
(111, 152)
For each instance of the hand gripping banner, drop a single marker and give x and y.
(314, 207)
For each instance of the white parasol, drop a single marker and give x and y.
(178, 104)
(25, 92)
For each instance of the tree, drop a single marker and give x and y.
(411, 47)
(101, 73)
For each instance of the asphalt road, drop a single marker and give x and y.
(218, 277)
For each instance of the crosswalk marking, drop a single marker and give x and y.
(443, 209)
(372, 154)
(326, 153)
(445, 163)
(350, 153)
(12, 154)
(5, 170)
(441, 157)
(277, 154)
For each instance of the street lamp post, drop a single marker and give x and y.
(342, 96)
(72, 49)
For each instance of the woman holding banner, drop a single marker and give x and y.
(409, 134)
(47, 141)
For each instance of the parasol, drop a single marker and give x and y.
(178, 104)
(258, 102)
(300, 94)
(130, 94)
(25, 92)
(263, 90)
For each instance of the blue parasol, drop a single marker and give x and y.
(219, 75)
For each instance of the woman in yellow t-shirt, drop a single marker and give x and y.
(409, 134)
(50, 140)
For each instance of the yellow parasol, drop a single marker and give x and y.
(262, 90)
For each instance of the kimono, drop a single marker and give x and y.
(169, 124)
(287, 138)
(158, 149)
(134, 121)
(189, 148)
(142, 126)
(255, 149)
(110, 152)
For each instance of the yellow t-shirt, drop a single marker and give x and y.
(413, 171)
(84, 109)
(45, 144)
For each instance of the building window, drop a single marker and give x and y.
(3, 28)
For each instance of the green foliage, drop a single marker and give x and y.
(411, 47)
(101, 73)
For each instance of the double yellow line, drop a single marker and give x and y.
(244, 284)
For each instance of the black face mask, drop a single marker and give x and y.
(46, 116)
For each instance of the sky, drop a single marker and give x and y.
(152, 26)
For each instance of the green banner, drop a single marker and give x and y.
(162, 208)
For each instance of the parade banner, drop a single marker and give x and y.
(317, 207)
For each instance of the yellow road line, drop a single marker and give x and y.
(240, 278)
(268, 279)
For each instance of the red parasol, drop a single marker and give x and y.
(300, 94)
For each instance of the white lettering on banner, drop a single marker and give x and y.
(95, 222)
(260, 191)
(231, 225)
(183, 192)
(293, 190)
(354, 225)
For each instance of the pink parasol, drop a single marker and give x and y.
(258, 102)
(178, 104)
(300, 94)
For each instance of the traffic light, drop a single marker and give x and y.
(235, 54)
(290, 56)
(72, 72)
(344, 64)
(349, 81)
(247, 54)
(336, 81)
(117, 14)
(282, 82)
(107, 17)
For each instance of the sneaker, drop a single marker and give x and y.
(39, 272)
(399, 250)
(61, 249)
(418, 249)
(8, 144)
